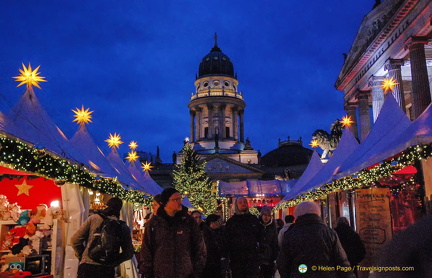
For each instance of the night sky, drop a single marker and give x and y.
(134, 63)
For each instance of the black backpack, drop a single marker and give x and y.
(105, 248)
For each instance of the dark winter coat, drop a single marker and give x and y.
(214, 240)
(244, 235)
(85, 236)
(411, 248)
(351, 243)
(309, 241)
(270, 246)
(173, 247)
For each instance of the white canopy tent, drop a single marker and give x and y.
(145, 181)
(347, 145)
(28, 120)
(391, 123)
(313, 168)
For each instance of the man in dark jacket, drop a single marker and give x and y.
(310, 248)
(84, 237)
(173, 245)
(213, 232)
(243, 234)
(270, 246)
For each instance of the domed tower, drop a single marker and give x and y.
(217, 110)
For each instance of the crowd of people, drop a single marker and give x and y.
(178, 244)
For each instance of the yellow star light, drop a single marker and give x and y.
(132, 156)
(29, 77)
(346, 121)
(146, 166)
(314, 143)
(133, 145)
(388, 84)
(23, 188)
(114, 140)
(82, 116)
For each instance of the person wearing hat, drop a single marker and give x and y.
(173, 245)
(310, 248)
(83, 238)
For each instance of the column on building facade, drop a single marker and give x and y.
(420, 81)
(222, 121)
(192, 125)
(375, 83)
(365, 123)
(198, 125)
(216, 117)
(394, 70)
(242, 126)
(351, 110)
(210, 121)
(234, 122)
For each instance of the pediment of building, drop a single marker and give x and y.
(371, 27)
(224, 165)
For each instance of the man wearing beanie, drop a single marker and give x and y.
(173, 245)
(310, 248)
(244, 241)
(84, 237)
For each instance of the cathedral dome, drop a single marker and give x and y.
(216, 63)
(289, 153)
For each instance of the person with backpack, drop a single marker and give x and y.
(98, 242)
(173, 245)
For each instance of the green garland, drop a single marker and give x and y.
(20, 156)
(366, 177)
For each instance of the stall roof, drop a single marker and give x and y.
(118, 164)
(347, 145)
(390, 124)
(418, 132)
(28, 120)
(313, 168)
(145, 181)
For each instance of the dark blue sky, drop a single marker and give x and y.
(134, 63)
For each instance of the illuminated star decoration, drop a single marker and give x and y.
(388, 84)
(29, 77)
(346, 121)
(114, 140)
(146, 166)
(314, 143)
(82, 116)
(133, 145)
(23, 188)
(132, 156)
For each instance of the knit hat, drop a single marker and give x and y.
(305, 208)
(114, 206)
(266, 210)
(166, 194)
(212, 218)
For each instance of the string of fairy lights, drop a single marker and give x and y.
(20, 156)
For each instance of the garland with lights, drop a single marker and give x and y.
(191, 179)
(20, 156)
(366, 177)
